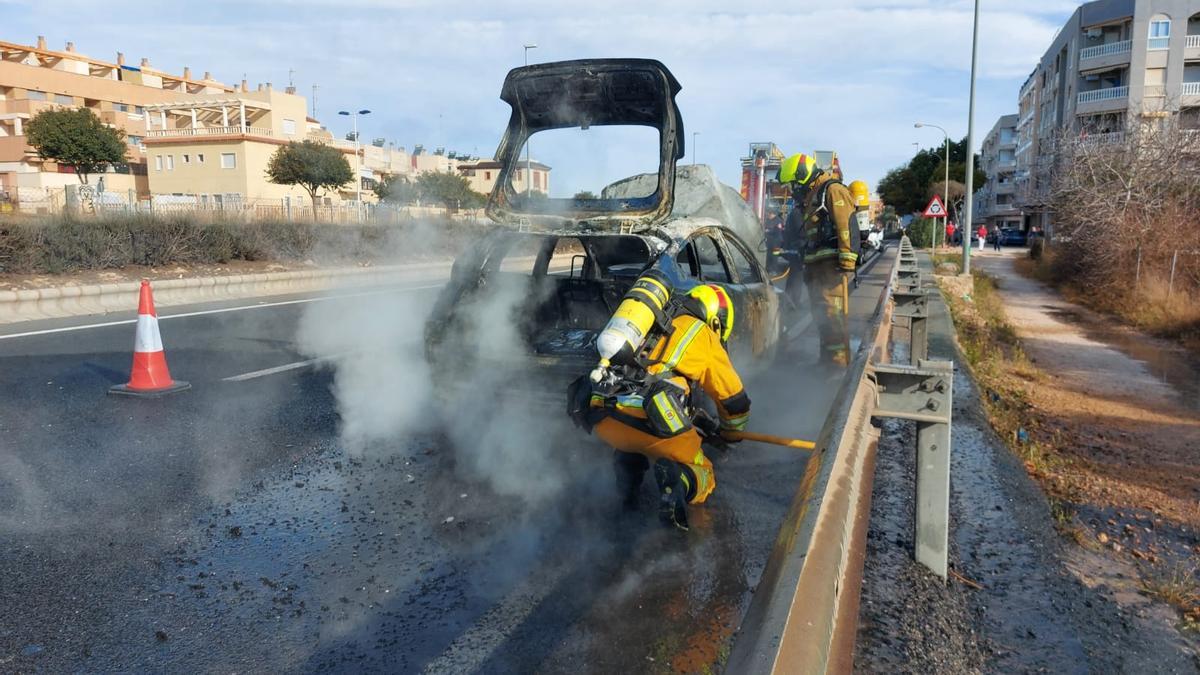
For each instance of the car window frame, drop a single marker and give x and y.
(737, 247)
(715, 237)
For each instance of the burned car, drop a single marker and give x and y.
(545, 282)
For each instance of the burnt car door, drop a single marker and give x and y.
(760, 304)
(703, 259)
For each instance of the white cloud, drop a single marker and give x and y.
(850, 77)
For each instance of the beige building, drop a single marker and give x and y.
(214, 150)
(482, 175)
(36, 78)
(190, 141)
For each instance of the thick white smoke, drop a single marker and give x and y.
(387, 391)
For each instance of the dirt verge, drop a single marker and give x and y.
(1112, 446)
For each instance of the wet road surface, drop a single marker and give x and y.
(227, 528)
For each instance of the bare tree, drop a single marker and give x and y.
(1124, 201)
(955, 195)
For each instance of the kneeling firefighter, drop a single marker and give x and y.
(656, 352)
(821, 222)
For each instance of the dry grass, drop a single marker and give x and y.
(1177, 584)
(1152, 306)
(1022, 408)
(1001, 367)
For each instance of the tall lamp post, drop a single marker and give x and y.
(970, 202)
(528, 163)
(357, 162)
(694, 135)
(945, 184)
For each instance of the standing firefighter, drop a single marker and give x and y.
(822, 226)
(655, 354)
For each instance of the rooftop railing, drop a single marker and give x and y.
(208, 131)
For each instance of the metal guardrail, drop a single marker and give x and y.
(803, 617)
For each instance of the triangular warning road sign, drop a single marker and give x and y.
(936, 208)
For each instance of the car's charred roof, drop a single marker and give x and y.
(584, 93)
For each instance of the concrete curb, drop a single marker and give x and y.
(87, 299)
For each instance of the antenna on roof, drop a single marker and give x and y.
(314, 102)
(291, 78)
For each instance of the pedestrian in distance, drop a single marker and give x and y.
(996, 235)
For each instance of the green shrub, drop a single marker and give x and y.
(920, 233)
(62, 244)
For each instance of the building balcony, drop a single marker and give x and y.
(15, 149)
(1191, 48)
(27, 106)
(1105, 56)
(1190, 92)
(1111, 138)
(190, 132)
(1102, 100)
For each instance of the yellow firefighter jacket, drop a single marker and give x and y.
(693, 355)
(828, 215)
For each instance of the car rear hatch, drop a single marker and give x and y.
(586, 93)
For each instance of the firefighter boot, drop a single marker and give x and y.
(675, 483)
(630, 469)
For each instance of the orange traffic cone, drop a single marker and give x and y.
(149, 376)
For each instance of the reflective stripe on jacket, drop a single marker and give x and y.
(694, 352)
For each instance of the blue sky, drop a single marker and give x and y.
(850, 76)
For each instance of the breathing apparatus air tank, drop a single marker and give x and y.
(862, 205)
(640, 310)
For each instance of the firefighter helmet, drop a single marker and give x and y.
(862, 195)
(717, 308)
(798, 169)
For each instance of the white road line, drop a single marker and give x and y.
(67, 329)
(271, 371)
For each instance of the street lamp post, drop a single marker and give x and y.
(970, 201)
(945, 184)
(528, 162)
(694, 135)
(357, 162)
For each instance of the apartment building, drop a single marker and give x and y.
(482, 174)
(190, 141)
(34, 78)
(214, 150)
(1113, 64)
(995, 202)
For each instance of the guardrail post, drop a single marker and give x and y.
(924, 393)
(912, 303)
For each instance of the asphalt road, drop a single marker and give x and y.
(231, 528)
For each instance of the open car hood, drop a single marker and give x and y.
(584, 93)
